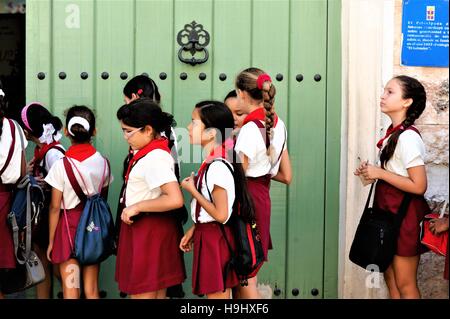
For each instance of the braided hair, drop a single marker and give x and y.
(411, 89)
(247, 81)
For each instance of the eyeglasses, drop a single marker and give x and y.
(127, 135)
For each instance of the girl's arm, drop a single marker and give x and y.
(170, 198)
(186, 241)
(244, 162)
(54, 211)
(415, 183)
(218, 209)
(284, 174)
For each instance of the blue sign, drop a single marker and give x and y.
(425, 33)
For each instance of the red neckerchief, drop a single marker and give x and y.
(39, 152)
(218, 152)
(80, 152)
(259, 114)
(389, 131)
(159, 143)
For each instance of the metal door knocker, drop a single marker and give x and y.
(193, 38)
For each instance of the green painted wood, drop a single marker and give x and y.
(155, 45)
(186, 93)
(307, 111)
(270, 52)
(288, 36)
(333, 146)
(38, 44)
(112, 44)
(232, 47)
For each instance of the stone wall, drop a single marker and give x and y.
(433, 125)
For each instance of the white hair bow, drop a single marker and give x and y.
(2, 93)
(47, 135)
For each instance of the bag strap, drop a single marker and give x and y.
(265, 137)
(67, 227)
(23, 166)
(222, 226)
(72, 179)
(209, 193)
(402, 210)
(412, 128)
(23, 183)
(56, 147)
(11, 147)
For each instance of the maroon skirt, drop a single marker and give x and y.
(62, 245)
(7, 257)
(148, 254)
(210, 273)
(259, 189)
(389, 198)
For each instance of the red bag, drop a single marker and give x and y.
(437, 243)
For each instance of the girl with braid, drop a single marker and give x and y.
(401, 172)
(262, 147)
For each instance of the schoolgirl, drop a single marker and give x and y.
(82, 172)
(42, 128)
(219, 182)
(402, 172)
(262, 145)
(12, 167)
(142, 86)
(148, 259)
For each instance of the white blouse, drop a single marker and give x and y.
(251, 143)
(92, 171)
(12, 172)
(218, 174)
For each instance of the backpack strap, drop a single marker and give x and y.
(56, 147)
(72, 179)
(222, 227)
(11, 147)
(262, 128)
(24, 183)
(266, 138)
(412, 128)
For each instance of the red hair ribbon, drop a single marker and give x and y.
(140, 91)
(261, 79)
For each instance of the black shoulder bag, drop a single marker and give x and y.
(375, 241)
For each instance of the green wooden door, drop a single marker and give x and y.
(291, 40)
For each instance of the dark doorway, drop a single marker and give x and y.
(12, 60)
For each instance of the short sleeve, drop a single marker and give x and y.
(159, 170)
(220, 175)
(412, 149)
(52, 157)
(246, 142)
(55, 176)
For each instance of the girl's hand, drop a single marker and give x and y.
(371, 172)
(41, 182)
(49, 251)
(438, 225)
(129, 212)
(30, 165)
(187, 240)
(188, 184)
